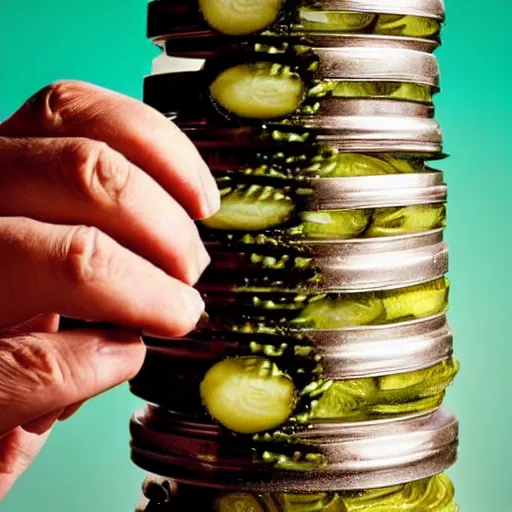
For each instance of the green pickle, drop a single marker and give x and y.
(391, 90)
(416, 302)
(252, 208)
(240, 17)
(330, 163)
(406, 219)
(338, 314)
(256, 208)
(248, 394)
(334, 21)
(434, 494)
(390, 395)
(409, 26)
(258, 91)
(371, 308)
(314, 20)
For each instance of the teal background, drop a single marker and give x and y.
(85, 466)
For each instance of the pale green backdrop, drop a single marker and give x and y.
(85, 466)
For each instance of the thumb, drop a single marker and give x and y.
(41, 373)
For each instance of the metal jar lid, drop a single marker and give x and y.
(360, 192)
(355, 265)
(359, 455)
(344, 57)
(353, 353)
(390, 134)
(422, 8)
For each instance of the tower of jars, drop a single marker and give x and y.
(315, 380)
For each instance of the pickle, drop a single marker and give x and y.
(258, 91)
(240, 17)
(344, 398)
(401, 380)
(355, 90)
(334, 164)
(410, 92)
(239, 502)
(439, 376)
(416, 302)
(251, 208)
(366, 398)
(338, 314)
(406, 220)
(248, 394)
(334, 21)
(435, 494)
(410, 26)
(339, 224)
(322, 502)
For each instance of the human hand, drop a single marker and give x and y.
(97, 197)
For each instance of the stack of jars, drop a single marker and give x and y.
(316, 378)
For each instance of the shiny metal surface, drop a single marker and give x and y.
(423, 8)
(359, 455)
(350, 353)
(354, 265)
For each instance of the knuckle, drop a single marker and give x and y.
(101, 176)
(87, 258)
(31, 367)
(51, 102)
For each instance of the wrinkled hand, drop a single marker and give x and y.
(97, 197)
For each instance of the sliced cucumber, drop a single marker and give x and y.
(240, 17)
(355, 89)
(248, 394)
(258, 91)
(410, 26)
(239, 502)
(334, 21)
(337, 314)
(251, 208)
(406, 220)
(330, 163)
(434, 494)
(323, 502)
(439, 375)
(338, 224)
(417, 301)
(344, 398)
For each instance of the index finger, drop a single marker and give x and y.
(140, 133)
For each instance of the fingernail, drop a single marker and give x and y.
(203, 259)
(120, 342)
(210, 190)
(193, 302)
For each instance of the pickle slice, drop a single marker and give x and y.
(251, 208)
(344, 398)
(406, 220)
(239, 502)
(337, 314)
(240, 17)
(416, 302)
(410, 26)
(434, 494)
(248, 394)
(322, 502)
(331, 163)
(334, 21)
(258, 91)
(340, 224)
